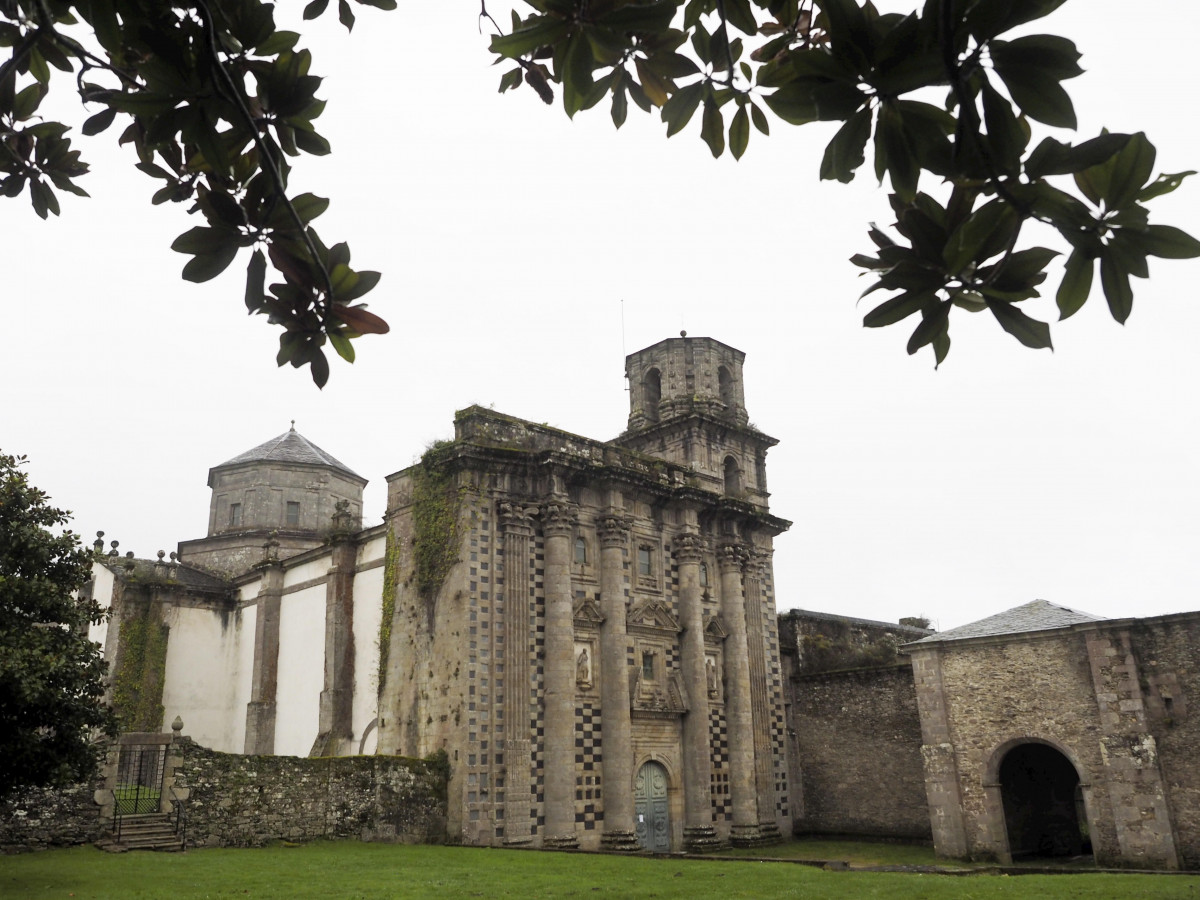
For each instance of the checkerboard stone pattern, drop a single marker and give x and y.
(719, 740)
(589, 808)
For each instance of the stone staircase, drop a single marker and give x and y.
(146, 831)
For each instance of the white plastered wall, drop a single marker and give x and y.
(301, 665)
(317, 568)
(102, 591)
(203, 666)
(243, 680)
(368, 611)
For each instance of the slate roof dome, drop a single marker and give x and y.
(1038, 615)
(290, 447)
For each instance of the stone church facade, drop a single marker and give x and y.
(587, 630)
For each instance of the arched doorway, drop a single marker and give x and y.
(1043, 803)
(650, 811)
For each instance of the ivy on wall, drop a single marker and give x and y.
(391, 579)
(437, 501)
(138, 681)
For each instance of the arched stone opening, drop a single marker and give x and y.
(1042, 798)
(652, 392)
(733, 477)
(725, 386)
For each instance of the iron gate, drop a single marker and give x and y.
(139, 779)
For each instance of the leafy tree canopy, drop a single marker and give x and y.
(215, 101)
(51, 675)
(943, 102)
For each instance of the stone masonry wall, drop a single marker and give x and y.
(859, 745)
(1039, 689)
(245, 801)
(40, 818)
(1169, 657)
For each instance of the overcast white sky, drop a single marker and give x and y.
(524, 255)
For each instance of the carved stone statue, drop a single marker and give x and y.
(583, 669)
(710, 677)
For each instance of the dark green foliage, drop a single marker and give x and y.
(51, 675)
(843, 61)
(214, 100)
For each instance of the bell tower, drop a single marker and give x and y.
(687, 405)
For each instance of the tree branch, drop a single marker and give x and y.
(234, 95)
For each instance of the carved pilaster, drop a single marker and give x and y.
(698, 830)
(617, 767)
(731, 556)
(757, 564)
(260, 711)
(336, 716)
(558, 525)
(516, 524)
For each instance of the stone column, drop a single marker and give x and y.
(518, 759)
(336, 728)
(698, 832)
(738, 716)
(558, 525)
(260, 711)
(760, 698)
(617, 742)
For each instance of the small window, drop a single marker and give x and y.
(725, 386)
(652, 389)
(293, 513)
(647, 665)
(703, 574)
(644, 562)
(580, 551)
(235, 515)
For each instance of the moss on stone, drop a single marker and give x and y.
(138, 681)
(391, 580)
(437, 502)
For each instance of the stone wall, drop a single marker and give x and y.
(858, 740)
(1112, 696)
(822, 642)
(41, 818)
(247, 801)
(1169, 656)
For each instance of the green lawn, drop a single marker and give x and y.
(355, 871)
(857, 853)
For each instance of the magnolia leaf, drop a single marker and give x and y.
(1164, 184)
(739, 132)
(1165, 242)
(359, 319)
(1028, 331)
(1076, 284)
(256, 273)
(847, 150)
(342, 345)
(712, 130)
(1115, 282)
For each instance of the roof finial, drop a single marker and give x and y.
(683, 334)
(293, 424)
